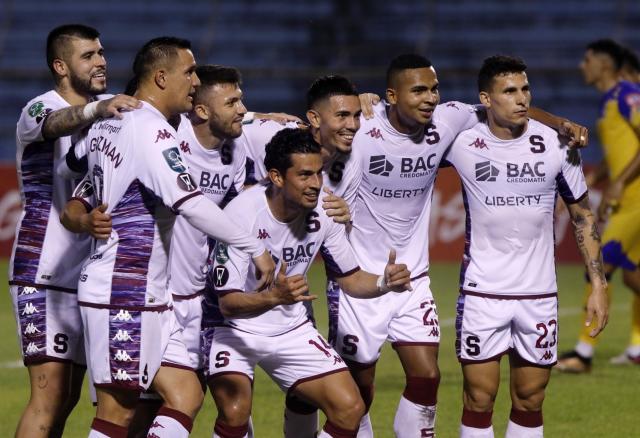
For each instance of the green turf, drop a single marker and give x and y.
(603, 404)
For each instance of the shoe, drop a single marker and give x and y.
(572, 362)
(625, 359)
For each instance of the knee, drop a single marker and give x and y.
(478, 399)
(529, 397)
(234, 413)
(50, 404)
(187, 401)
(348, 412)
(422, 390)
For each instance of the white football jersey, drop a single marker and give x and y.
(254, 138)
(220, 175)
(297, 243)
(393, 202)
(44, 252)
(509, 191)
(341, 174)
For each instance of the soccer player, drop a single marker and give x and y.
(619, 132)
(270, 327)
(46, 259)
(129, 328)
(630, 70)
(512, 169)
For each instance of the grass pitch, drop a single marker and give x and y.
(603, 403)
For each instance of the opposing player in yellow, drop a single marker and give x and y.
(618, 128)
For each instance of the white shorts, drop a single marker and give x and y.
(125, 348)
(49, 325)
(358, 328)
(489, 326)
(189, 316)
(289, 359)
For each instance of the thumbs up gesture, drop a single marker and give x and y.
(396, 278)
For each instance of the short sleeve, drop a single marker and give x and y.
(162, 169)
(457, 115)
(570, 181)
(230, 269)
(629, 105)
(336, 252)
(29, 129)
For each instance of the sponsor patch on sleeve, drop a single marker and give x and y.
(633, 100)
(84, 190)
(186, 182)
(220, 276)
(174, 160)
(222, 256)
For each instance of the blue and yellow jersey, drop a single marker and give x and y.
(619, 115)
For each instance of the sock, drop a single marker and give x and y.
(170, 423)
(330, 430)
(300, 418)
(476, 424)
(584, 349)
(105, 429)
(221, 430)
(524, 424)
(366, 429)
(634, 344)
(413, 420)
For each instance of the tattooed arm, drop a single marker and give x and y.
(67, 121)
(588, 240)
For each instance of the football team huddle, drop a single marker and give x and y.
(167, 234)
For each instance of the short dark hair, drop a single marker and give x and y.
(157, 52)
(630, 59)
(326, 86)
(405, 62)
(286, 142)
(57, 40)
(498, 65)
(610, 48)
(211, 75)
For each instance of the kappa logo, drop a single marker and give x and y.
(220, 276)
(375, 133)
(548, 355)
(452, 105)
(156, 424)
(479, 143)
(30, 309)
(153, 435)
(434, 332)
(27, 290)
(31, 348)
(122, 356)
(122, 375)
(378, 165)
(31, 329)
(123, 315)
(163, 134)
(263, 234)
(122, 336)
(184, 147)
(485, 171)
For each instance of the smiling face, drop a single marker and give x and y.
(337, 119)
(507, 101)
(222, 105)
(301, 183)
(83, 63)
(414, 93)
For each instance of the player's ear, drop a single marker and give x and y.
(201, 111)
(276, 178)
(60, 67)
(485, 99)
(160, 78)
(391, 96)
(313, 117)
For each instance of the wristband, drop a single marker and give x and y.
(382, 284)
(90, 110)
(248, 118)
